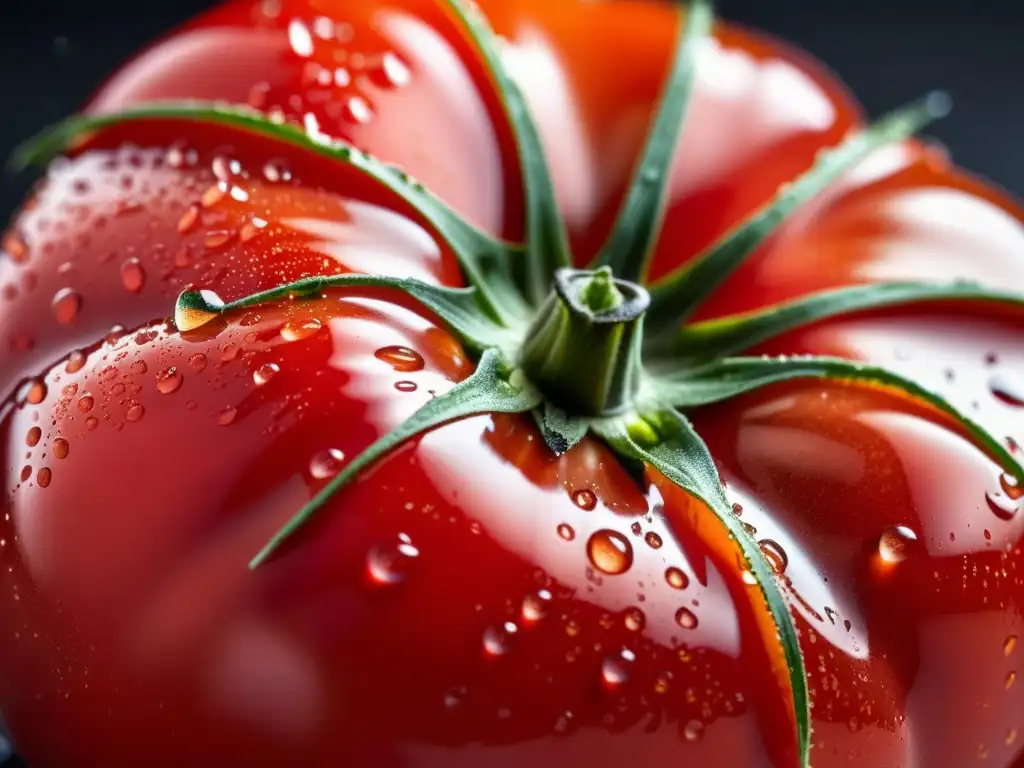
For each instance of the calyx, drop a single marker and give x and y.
(594, 351)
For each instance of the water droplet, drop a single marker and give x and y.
(1009, 644)
(26, 473)
(33, 437)
(584, 499)
(189, 220)
(16, 247)
(662, 682)
(1007, 390)
(563, 722)
(91, 423)
(326, 463)
(686, 618)
(1002, 506)
(610, 552)
(66, 305)
(35, 392)
(455, 697)
(653, 540)
(299, 38)
(776, 555)
(298, 330)
(43, 477)
(198, 362)
(61, 448)
(227, 416)
(390, 72)
(216, 239)
(390, 563)
(138, 368)
(694, 730)
(676, 578)
(86, 403)
(634, 619)
(535, 605)
(265, 373)
(251, 228)
(894, 544)
(133, 276)
(748, 577)
(135, 412)
(401, 359)
(357, 110)
(169, 381)
(636, 529)
(406, 386)
(498, 639)
(1011, 678)
(616, 668)
(1011, 486)
(566, 532)
(276, 171)
(1011, 736)
(76, 362)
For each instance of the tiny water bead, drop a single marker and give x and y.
(694, 730)
(1008, 390)
(610, 552)
(616, 668)
(686, 618)
(676, 578)
(297, 330)
(133, 275)
(536, 605)
(390, 563)
(265, 373)
(326, 464)
(653, 540)
(66, 305)
(61, 448)
(566, 532)
(1009, 645)
(585, 499)
(634, 619)
(498, 639)
(169, 381)
(895, 543)
(406, 386)
(775, 554)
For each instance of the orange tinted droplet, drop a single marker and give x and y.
(197, 362)
(653, 540)
(610, 552)
(66, 305)
(1009, 645)
(585, 499)
(35, 392)
(1011, 486)
(61, 448)
(133, 275)
(76, 361)
(86, 403)
(775, 554)
(43, 477)
(135, 412)
(189, 220)
(169, 381)
(634, 619)
(401, 358)
(33, 437)
(686, 619)
(15, 246)
(894, 544)
(676, 578)
(566, 532)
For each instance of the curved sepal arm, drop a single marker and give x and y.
(561, 432)
(547, 244)
(675, 298)
(726, 336)
(631, 243)
(735, 376)
(491, 389)
(666, 441)
(486, 262)
(459, 308)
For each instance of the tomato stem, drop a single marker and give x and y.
(583, 349)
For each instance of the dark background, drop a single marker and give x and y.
(53, 54)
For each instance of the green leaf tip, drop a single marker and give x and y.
(493, 388)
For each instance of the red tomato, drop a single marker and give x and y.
(473, 600)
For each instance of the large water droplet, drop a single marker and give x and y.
(133, 275)
(61, 448)
(33, 437)
(585, 499)
(610, 552)
(694, 730)
(401, 358)
(536, 605)
(686, 618)
(1007, 390)
(35, 392)
(498, 639)
(296, 330)
(43, 477)
(86, 402)
(676, 578)
(617, 668)
(66, 305)
(76, 361)
(169, 381)
(326, 463)
(390, 563)
(265, 373)
(135, 412)
(775, 554)
(894, 544)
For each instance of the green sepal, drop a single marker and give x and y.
(459, 308)
(735, 376)
(487, 262)
(729, 335)
(493, 388)
(561, 432)
(547, 243)
(676, 297)
(665, 440)
(631, 244)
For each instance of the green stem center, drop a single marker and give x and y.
(583, 349)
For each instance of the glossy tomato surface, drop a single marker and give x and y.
(473, 600)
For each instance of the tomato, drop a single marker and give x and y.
(474, 599)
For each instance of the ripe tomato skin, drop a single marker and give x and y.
(155, 644)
